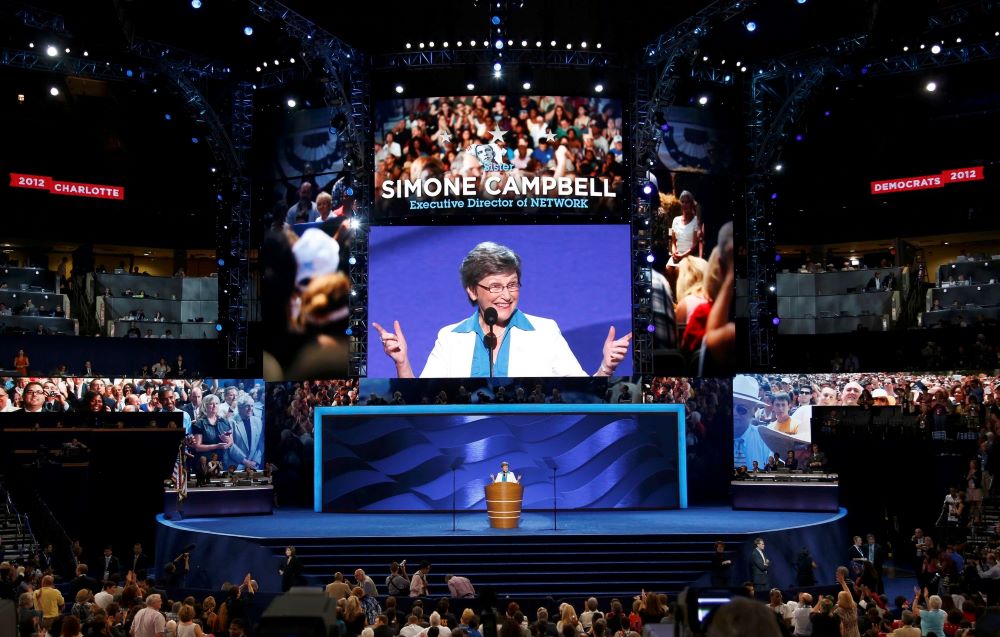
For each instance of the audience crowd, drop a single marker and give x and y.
(548, 136)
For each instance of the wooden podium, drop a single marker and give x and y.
(503, 504)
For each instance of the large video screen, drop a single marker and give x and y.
(483, 154)
(772, 421)
(401, 458)
(574, 295)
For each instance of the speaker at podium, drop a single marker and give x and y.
(503, 504)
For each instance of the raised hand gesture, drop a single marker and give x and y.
(394, 346)
(615, 351)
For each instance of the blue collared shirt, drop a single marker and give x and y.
(481, 355)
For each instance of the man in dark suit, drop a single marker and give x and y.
(82, 581)
(873, 552)
(139, 562)
(45, 559)
(875, 283)
(109, 565)
(759, 565)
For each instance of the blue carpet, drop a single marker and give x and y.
(304, 523)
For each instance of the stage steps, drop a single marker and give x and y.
(529, 566)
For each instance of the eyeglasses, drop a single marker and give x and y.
(805, 391)
(496, 288)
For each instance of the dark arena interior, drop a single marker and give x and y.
(718, 351)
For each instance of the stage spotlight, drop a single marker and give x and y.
(495, 20)
(743, 69)
(599, 87)
(430, 45)
(129, 73)
(777, 258)
(703, 100)
(524, 43)
(218, 327)
(355, 223)
(526, 86)
(510, 43)
(67, 49)
(496, 67)
(931, 87)
(248, 30)
(291, 103)
(399, 88)
(421, 45)
(936, 49)
(538, 43)
(31, 45)
(51, 51)
(408, 45)
(599, 45)
(771, 288)
(958, 40)
(194, 140)
(799, 137)
(775, 321)
(778, 167)
(499, 44)
(583, 45)
(774, 196)
(276, 62)
(459, 43)
(352, 260)
(568, 46)
(265, 64)
(195, 4)
(552, 43)
(167, 116)
(905, 48)
(647, 189)
(470, 86)
(86, 54)
(751, 26)
(923, 46)
(258, 69)
(704, 58)
(54, 92)
(472, 43)
(800, 1)
(444, 44)
(650, 258)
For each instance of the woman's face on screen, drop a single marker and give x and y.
(504, 302)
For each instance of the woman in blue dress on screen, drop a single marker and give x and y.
(525, 345)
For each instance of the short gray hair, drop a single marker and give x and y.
(488, 258)
(244, 399)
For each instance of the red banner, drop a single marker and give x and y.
(926, 182)
(68, 188)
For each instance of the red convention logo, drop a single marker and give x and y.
(927, 182)
(67, 188)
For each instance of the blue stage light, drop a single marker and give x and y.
(495, 20)
(194, 140)
(129, 73)
(650, 258)
(352, 261)
(650, 328)
(499, 44)
(219, 197)
(647, 189)
(348, 331)
(774, 196)
(751, 26)
(799, 137)
(349, 191)
(218, 327)
(777, 258)
(195, 4)
(248, 30)
(167, 116)
(775, 321)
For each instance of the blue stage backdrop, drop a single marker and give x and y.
(578, 276)
(401, 458)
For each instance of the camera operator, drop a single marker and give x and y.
(398, 582)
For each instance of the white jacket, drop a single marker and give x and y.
(539, 352)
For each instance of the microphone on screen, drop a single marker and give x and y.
(490, 317)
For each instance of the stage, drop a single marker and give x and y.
(593, 552)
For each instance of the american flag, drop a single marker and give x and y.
(180, 475)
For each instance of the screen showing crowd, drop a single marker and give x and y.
(495, 154)
(432, 290)
(222, 418)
